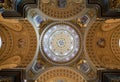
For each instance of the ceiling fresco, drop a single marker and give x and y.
(59, 40)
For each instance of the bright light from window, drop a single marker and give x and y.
(37, 20)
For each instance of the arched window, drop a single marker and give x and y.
(37, 20)
(119, 42)
(0, 42)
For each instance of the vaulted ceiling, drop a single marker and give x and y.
(60, 40)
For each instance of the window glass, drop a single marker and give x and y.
(0, 42)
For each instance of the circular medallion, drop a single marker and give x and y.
(61, 43)
(60, 74)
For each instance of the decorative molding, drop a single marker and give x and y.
(12, 75)
(19, 46)
(106, 8)
(102, 46)
(60, 74)
(19, 10)
(109, 75)
(62, 9)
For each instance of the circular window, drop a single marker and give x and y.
(61, 43)
(0, 42)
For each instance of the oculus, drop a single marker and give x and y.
(60, 43)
